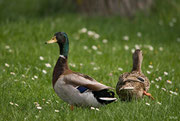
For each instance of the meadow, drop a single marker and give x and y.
(100, 47)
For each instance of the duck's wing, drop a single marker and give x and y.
(128, 77)
(123, 77)
(84, 80)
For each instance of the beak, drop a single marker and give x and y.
(53, 40)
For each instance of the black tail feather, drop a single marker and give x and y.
(104, 94)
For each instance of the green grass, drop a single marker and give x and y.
(26, 38)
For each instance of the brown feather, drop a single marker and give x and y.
(60, 68)
(135, 79)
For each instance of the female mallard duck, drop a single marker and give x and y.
(76, 88)
(134, 84)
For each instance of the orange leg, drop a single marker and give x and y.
(148, 94)
(72, 107)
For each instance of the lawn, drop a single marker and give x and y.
(27, 65)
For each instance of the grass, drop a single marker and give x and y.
(26, 36)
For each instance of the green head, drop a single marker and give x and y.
(62, 39)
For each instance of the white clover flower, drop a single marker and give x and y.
(41, 58)
(35, 76)
(81, 64)
(97, 109)
(126, 47)
(126, 38)
(12, 73)
(48, 65)
(120, 69)
(159, 103)
(175, 93)
(137, 46)
(157, 79)
(171, 24)
(148, 72)
(160, 78)
(133, 50)
(104, 40)
(150, 66)
(37, 104)
(174, 20)
(57, 111)
(157, 86)
(23, 75)
(164, 89)
(152, 81)
(139, 34)
(16, 105)
(15, 80)
(44, 71)
(7, 47)
(83, 30)
(94, 47)
(92, 108)
(169, 82)
(147, 104)
(10, 50)
(166, 73)
(178, 39)
(99, 52)
(171, 92)
(39, 108)
(92, 63)
(32, 78)
(173, 117)
(7, 65)
(96, 68)
(151, 48)
(11, 103)
(85, 47)
(96, 36)
(90, 33)
(72, 65)
(161, 48)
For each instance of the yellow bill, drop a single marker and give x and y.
(53, 40)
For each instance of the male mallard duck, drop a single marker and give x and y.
(76, 88)
(134, 84)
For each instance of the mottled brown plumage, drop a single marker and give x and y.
(133, 84)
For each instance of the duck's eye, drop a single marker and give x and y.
(141, 79)
(52, 38)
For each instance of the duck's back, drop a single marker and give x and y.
(131, 85)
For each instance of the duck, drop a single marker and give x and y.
(75, 88)
(134, 84)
